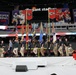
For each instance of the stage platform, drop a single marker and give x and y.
(58, 65)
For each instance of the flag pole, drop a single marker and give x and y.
(22, 32)
(48, 25)
(16, 31)
(53, 32)
(26, 29)
(41, 37)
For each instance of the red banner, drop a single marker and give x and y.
(59, 14)
(51, 13)
(28, 14)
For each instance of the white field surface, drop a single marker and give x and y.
(58, 65)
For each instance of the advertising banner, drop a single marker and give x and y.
(63, 15)
(74, 14)
(20, 16)
(4, 18)
(60, 14)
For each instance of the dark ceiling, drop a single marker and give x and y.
(11, 4)
(16, 2)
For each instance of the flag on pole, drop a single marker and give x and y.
(34, 32)
(41, 33)
(53, 32)
(54, 37)
(53, 29)
(41, 37)
(27, 37)
(22, 31)
(27, 29)
(16, 33)
(52, 15)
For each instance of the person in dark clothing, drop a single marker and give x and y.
(10, 47)
(15, 45)
(60, 47)
(66, 44)
(35, 51)
(48, 47)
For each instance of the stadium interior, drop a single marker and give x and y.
(38, 37)
(40, 14)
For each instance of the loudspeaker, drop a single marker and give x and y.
(21, 68)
